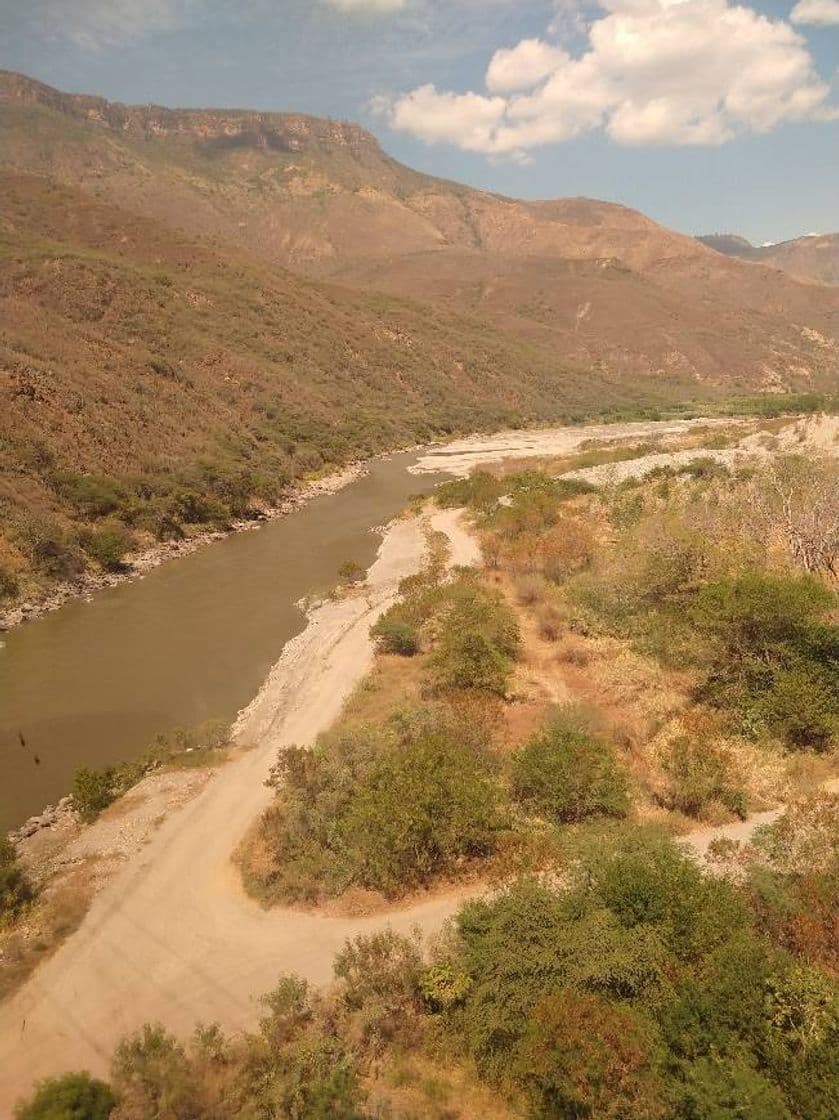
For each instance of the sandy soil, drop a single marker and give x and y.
(462, 456)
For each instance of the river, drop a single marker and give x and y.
(91, 683)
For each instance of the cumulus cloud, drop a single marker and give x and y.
(654, 72)
(823, 12)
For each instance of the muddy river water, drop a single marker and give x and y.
(93, 682)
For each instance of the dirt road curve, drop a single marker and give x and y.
(172, 937)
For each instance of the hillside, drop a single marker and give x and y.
(199, 307)
(592, 284)
(814, 257)
(152, 382)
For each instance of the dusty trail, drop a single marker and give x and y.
(173, 938)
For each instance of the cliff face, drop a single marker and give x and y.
(282, 132)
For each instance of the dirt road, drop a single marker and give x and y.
(172, 937)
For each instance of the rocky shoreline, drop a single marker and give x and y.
(141, 563)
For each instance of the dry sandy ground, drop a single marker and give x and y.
(172, 937)
(462, 456)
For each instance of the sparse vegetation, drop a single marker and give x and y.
(94, 790)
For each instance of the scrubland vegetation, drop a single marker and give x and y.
(639, 987)
(632, 663)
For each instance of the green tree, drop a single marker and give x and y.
(75, 1096)
(564, 775)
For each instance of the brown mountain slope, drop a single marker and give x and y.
(153, 383)
(814, 257)
(590, 283)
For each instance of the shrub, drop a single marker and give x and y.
(551, 619)
(529, 589)
(107, 546)
(350, 572)
(479, 640)
(648, 879)
(53, 553)
(396, 635)
(8, 583)
(700, 774)
(15, 888)
(152, 1076)
(773, 660)
(93, 791)
(424, 809)
(564, 775)
(582, 1056)
(75, 1096)
(566, 550)
(469, 660)
(716, 1088)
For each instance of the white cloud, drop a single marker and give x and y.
(685, 72)
(524, 66)
(367, 5)
(823, 12)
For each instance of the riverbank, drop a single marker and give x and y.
(139, 564)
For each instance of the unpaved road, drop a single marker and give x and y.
(172, 937)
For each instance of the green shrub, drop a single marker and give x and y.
(152, 1076)
(564, 775)
(424, 808)
(715, 1088)
(773, 660)
(479, 640)
(15, 887)
(75, 1096)
(385, 809)
(700, 774)
(480, 491)
(92, 495)
(648, 879)
(469, 660)
(396, 635)
(93, 791)
(350, 572)
(107, 546)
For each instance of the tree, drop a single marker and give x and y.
(584, 1057)
(75, 1096)
(565, 775)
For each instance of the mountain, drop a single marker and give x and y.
(198, 307)
(814, 257)
(592, 284)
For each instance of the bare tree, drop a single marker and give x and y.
(797, 496)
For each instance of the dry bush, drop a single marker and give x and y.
(552, 620)
(530, 589)
(568, 548)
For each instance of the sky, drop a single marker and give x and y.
(709, 116)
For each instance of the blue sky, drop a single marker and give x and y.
(706, 115)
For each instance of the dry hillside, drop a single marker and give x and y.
(591, 283)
